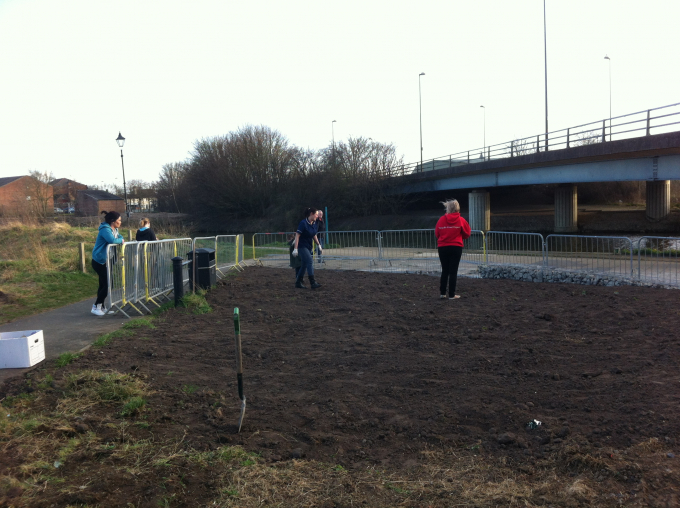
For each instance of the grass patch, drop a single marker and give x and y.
(88, 388)
(196, 303)
(65, 358)
(189, 389)
(39, 267)
(133, 406)
(167, 306)
(103, 340)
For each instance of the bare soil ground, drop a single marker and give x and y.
(369, 391)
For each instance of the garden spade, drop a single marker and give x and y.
(239, 367)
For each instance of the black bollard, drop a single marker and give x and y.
(177, 279)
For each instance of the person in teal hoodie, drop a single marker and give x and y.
(108, 233)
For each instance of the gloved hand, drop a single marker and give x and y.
(320, 249)
(295, 253)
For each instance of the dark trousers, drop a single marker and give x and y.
(307, 263)
(449, 257)
(103, 288)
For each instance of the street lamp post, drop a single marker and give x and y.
(121, 141)
(545, 53)
(484, 152)
(333, 134)
(610, 96)
(420, 102)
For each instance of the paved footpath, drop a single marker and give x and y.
(67, 329)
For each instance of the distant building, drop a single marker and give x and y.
(65, 192)
(25, 196)
(142, 200)
(93, 202)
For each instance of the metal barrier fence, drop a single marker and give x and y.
(272, 249)
(607, 255)
(122, 264)
(658, 260)
(228, 253)
(140, 273)
(514, 248)
(387, 251)
(156, 272)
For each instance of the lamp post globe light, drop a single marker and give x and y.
(121, 141)
(420, 102)
(606, 57)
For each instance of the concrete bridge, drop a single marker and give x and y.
(653, 158)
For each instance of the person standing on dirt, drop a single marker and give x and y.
(145, 233)
(451, 231)
(321, 227)
(108, 234)
(305, 237)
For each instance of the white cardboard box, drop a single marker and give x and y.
(21, 349)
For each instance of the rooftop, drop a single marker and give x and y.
(99, 195)
(9, 179)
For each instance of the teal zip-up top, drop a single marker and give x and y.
(104, 238)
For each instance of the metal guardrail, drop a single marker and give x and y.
(272, 247)
(606, 255)
(371, 250)
(409, 251)
(122, 264)
(514, 248)
(139, 273)
(658, 260)
(156, 272)
(228, 253)
(632, 125)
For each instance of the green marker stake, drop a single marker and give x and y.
(239, 366)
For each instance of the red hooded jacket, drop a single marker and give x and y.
(451, 230)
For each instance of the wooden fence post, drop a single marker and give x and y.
(82, 257)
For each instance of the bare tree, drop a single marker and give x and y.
(39, 192)
(169, 185)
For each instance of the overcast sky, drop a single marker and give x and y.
(166, 73)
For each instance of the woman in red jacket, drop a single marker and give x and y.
(450, 231)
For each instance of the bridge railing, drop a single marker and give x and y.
(631, 125)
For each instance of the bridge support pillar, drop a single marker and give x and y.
(566, 211)
(658, 199)
(480, 210)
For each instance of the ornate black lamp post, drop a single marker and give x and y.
(121, 141)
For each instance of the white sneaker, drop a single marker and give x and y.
(98, 311)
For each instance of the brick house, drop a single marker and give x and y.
(25, 196)
(93, 202)
(65, 192)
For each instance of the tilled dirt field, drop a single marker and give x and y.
(373, 372)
